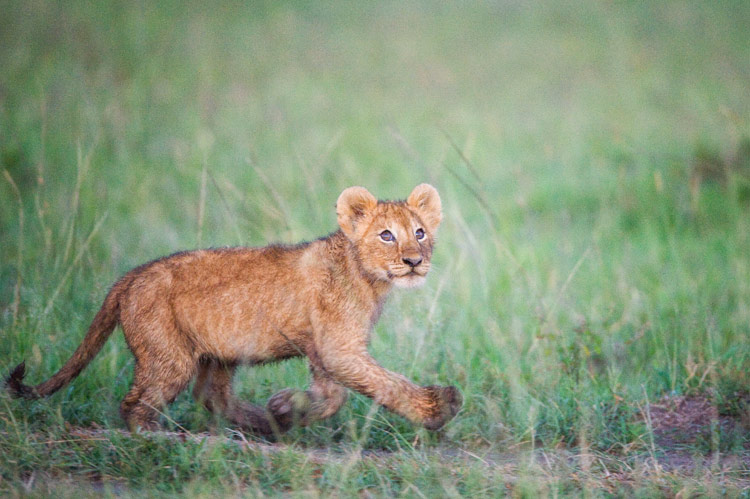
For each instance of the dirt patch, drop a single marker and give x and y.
(695, 421)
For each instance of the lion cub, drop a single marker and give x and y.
(202, 313)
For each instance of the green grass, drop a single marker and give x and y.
(594, 164)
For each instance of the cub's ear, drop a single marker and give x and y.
(426, 201)
(352, 205)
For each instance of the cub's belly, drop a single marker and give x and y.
(246, 323)
(256, 346)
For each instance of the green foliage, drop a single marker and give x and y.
(594, 165)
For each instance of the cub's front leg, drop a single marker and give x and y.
(341, 351)
(432, 406)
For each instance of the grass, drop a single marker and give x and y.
(594, 165)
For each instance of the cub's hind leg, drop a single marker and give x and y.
(165, 358)
(135, 420)
(213, 388)
(154, 387)
(324, 398)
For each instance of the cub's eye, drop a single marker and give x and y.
(419, 233)
(387, 236)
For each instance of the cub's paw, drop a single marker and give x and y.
(444, 403)
(289, 407)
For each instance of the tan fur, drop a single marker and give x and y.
(202, 313)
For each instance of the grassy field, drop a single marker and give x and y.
(591, 286)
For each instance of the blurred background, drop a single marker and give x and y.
(593, 159)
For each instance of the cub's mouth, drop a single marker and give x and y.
(411, 279)
(412, 273)
(404, 275)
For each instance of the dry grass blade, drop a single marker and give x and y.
(73, 264)
(461, 154)
(19, 257)
(565, 285)
(230, 213)
(202, 204)
(82, 165)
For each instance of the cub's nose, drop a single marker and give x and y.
(412, 261)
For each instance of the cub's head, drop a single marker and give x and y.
(393, 239)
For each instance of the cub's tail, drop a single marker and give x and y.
(101, 328)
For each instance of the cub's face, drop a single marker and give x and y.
(394, 240)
